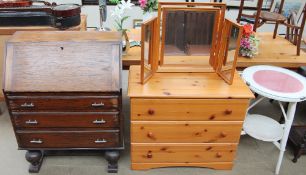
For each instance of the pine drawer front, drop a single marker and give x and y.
(182, 153)
(185, 132)
(66, 120)
(188, 109)
(64, 103)
(68, 139)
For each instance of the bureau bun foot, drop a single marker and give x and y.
(35, 158)
(112, 157)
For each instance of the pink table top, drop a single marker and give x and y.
(277, 81)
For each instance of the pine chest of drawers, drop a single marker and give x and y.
(185, 119)
(63, 92)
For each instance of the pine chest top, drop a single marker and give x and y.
(186, 85)
(63, 61)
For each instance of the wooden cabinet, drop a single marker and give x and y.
(185, 119)
(63, 92)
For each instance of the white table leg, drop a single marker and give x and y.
(283, 143)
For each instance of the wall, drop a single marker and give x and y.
(136, 13)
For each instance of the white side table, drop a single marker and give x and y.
(278, 84)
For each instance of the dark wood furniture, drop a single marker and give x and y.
(63, 92)
(260, 17)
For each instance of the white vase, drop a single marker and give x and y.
(148, 15)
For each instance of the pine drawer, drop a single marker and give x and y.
(182, 153)
(185, 132)
(188, 109)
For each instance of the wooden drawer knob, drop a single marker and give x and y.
(228, 112)
(151, 112)
(223, 134)
(150, 134)
(218, 155)
(149, 155)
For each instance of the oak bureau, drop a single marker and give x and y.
(63, 92)
(185, 119)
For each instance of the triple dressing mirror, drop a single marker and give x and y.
(190, 37)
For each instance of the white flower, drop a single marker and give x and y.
(126, 4)
(117, 12)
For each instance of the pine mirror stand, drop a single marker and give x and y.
(190, 37)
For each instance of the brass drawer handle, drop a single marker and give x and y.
(100, 141)
(27, 105)
(31, 122)
(101, 121)
(36, 141)
(97, 104)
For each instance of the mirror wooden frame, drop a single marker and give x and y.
(153, 50)
(226, 34)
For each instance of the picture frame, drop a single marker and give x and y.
(137, 23)
(289, 6)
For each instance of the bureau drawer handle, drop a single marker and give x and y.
(100, 141)
(101, 121)
(31, 122)
(97, 104)
(27, 105)
(36, 141)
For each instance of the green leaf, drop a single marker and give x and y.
(124, 18)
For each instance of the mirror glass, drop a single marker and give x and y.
(229, 49)
(188, 36)
(146, 45)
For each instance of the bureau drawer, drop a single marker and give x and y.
(188, 109)
(182, 153)
(64, 103)
(185, 132)
(66, 120)
(68, 139)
